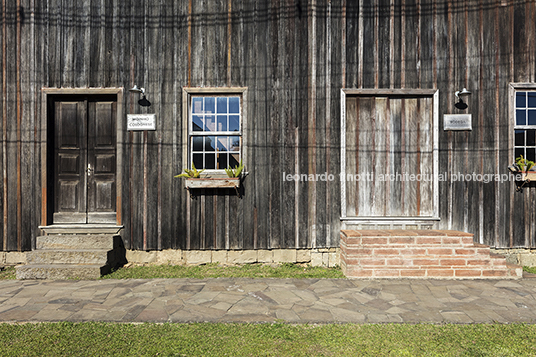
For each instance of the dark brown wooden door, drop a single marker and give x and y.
(85, 161)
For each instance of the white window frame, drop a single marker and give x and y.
(514, 89)
(188, 133)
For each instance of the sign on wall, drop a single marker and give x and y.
(141, 122)
(457, 122)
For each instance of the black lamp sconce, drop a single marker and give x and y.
(460, 94)
(143, 101)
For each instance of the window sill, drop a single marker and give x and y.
(528, 176)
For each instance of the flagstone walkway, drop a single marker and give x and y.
(268, 300)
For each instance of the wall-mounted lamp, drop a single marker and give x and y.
(460, 94)
(143, 101)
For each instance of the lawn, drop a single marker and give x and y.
(204, 339)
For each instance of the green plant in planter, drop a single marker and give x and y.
(236, 172)
(523, 164)
(193, 173)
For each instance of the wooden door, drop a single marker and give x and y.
(84, 161)
(390, 156)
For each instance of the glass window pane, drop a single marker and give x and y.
(222, 123)
(210, 124)
(521, 117)
(234, 123)
(532, 117)
(223, 143)
(235, 143)
(222, 105)
(197, 143)
(234, 105)
(234, 160)
(531, 96)
(210, 161)
(197, 123)
(210, 103)
(222, 161)
(519, 138)
(531, 154)
(519, 152)
(521, 101)
(198, 161)
(197, 105)
(210, 143)
(531, 138)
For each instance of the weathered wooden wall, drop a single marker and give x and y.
(294, 56)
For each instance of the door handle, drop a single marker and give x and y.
(89, 169)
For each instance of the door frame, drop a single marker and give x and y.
(47, 170)
(434, 94)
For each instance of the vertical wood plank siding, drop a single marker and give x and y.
(293, 56)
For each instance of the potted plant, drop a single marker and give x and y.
(524, 166)
(193, 178)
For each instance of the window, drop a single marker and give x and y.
(525, 125)
(215, 126)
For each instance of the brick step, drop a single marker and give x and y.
(78, 241)
(61, 271)
(420, 254)
(70, 256)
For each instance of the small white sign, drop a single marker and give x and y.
(141, 121)
(457, 122)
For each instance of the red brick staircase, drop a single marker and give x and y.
(420, 254)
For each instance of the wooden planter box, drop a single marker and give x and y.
(528, 175)
(227, 182)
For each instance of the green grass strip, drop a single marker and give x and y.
(286, 270)
(205, 339)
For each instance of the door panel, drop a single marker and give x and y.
(70, 153)
(85, 161)
(389, 156)
(102, 162)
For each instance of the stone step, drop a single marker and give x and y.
(61, 271)
(76, 241)
(70, 256)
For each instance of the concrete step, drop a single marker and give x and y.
(70, 256)
(77, 241)
(61, 271)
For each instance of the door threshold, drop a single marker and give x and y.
(92, 228)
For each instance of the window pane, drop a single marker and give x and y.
(222, 105)
(235, 143)
(198, 161)
(519, 152)
(234, 160)
(521, 117)
(210, 143)
(532, 117)
(223, 143)
(234, 105)
(531, 154)
(234, 123)
(531, 138)
(197, 105)
(197, 122)
(519, 138)
(210, 103)
(222, 122)
(210, 124)
(521, 100)
(531, 99)
(222, 161)
(197, 143)
(210, 161)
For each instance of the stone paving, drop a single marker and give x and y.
(268, 300)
